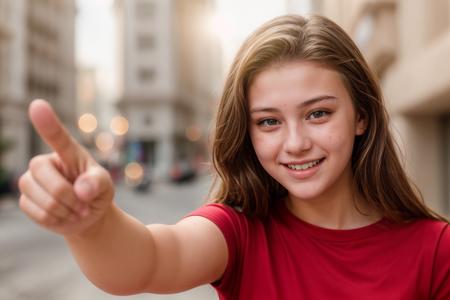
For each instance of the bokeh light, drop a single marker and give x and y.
(104, 141)
(193, 133)
(87, 123)
(119, 125)
(134, 173)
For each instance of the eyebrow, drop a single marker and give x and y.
(301, 105)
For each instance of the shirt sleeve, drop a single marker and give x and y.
(441, 270)
(231, 223)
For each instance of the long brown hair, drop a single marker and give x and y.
(378, 175)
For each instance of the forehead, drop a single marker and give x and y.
(297, 79)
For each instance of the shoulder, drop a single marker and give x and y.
(436, 234)
(443, 242)
(424, 229)
(235, 227)
(220, 214)
(425, 236)
(425, 246)
(434, 238)
(215, 208)
(433, 229)
(232, 223)
(439, 233)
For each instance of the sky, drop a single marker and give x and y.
(234, 20)
(95, 42)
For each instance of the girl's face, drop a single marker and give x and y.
(303, 126)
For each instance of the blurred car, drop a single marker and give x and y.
(7, 183)
(144, 185)
(182, 171)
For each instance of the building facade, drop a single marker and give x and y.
(36, 61)
(407, 44)
(168, 68)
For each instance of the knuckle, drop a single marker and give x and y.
(48, 219)
(52, 205)
(22, 182)
(38, 161)
(59, 191)
(35, 162)
(45, 218)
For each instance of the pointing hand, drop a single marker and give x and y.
(65, 191)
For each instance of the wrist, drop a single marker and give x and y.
(92, 231)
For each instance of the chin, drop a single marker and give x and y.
(304, 193)
(303, 196)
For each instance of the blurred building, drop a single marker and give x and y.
(87, 95)
(407, 44)
(170, 68)
(86, 89)
(96, 116)
(36, 61)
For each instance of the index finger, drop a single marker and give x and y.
(53, 132)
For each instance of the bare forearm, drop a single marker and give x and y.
(69, 193)
(116, 254)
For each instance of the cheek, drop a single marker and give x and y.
(339, 139)
(264, 147)
(340, 143)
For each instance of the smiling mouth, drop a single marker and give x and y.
(305, 166)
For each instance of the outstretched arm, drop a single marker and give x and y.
(69, 193)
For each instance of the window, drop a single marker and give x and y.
(146, 74)
(4, 67)
(145, 9)
(146, 42)
(365, 31)
(147, 120)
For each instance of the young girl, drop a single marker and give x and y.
(311, 200)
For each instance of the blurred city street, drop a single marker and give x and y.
(137, 83)
(36, 265)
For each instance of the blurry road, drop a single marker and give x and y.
(36, 265)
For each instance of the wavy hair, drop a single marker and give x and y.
(242, 182)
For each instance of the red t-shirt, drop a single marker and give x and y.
(283, 257)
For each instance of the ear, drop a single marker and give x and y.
(361, 124)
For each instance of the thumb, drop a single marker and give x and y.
(93, 183)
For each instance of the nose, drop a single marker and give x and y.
(297, 140)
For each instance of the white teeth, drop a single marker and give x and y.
(304, 166)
